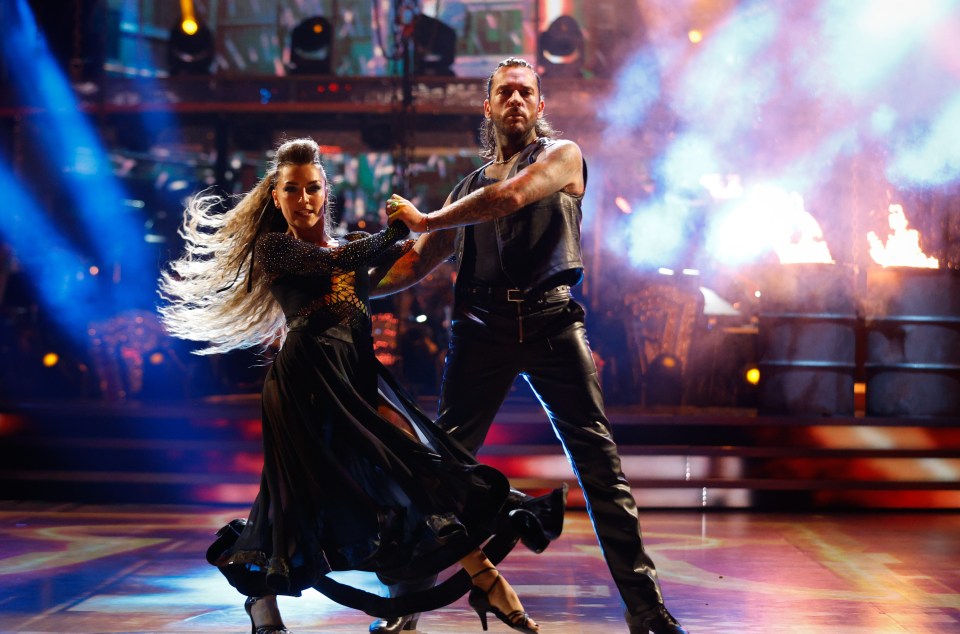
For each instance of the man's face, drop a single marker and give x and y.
(514, 104)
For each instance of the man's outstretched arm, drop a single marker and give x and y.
(559, 168)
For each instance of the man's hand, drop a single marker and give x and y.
(399, 208)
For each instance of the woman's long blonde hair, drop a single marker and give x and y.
(215, 292)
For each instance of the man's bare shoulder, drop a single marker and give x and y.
(560, 145)
(563, 149)
(563, 161)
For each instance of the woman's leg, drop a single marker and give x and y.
(500, 594)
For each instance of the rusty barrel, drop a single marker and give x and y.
(807, 339)
(912, 361)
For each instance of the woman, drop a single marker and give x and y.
(355, 476)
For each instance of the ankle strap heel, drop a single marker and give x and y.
(479, 600)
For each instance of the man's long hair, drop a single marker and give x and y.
(488, 137)
(215, 292)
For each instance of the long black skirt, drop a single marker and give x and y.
(344, 489)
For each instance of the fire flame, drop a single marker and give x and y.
(800, 239)
(903, 245)
(766, 218)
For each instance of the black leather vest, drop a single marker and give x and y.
(539, 245)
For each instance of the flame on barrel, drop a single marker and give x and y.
(902, 246)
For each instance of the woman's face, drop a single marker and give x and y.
(301, 194)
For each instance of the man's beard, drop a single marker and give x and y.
(510, 131)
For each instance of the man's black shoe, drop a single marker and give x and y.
(395, 625)
(656, 620)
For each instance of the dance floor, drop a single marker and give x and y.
(69, 568)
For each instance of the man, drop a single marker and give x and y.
(514, 226)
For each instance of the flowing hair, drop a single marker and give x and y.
(216, 292)
(488, 138)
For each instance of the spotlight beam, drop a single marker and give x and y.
(51, 262)
(95, 192)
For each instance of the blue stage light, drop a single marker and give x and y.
(658, 233)
(59, 273)
(933, 157)
(79, 160)
(637, 90)
(868, 42)
(802, 98)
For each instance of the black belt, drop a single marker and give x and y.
(500, 295)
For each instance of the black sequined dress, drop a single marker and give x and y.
(342, 488)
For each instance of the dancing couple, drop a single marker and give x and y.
(355, 475)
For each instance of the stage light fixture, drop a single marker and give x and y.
(311, 47)
(434, 47)
(190, 48)
(664, 381)
(560, 51)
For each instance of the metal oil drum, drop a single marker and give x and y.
(807, 342)
(912, 361)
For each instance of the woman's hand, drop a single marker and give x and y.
(399, 208)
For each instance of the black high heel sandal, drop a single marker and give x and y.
(479, 600)
(262, 629)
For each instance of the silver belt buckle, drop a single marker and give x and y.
(514, 295)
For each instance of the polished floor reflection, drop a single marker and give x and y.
(107, 569)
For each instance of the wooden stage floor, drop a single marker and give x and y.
(70, 568)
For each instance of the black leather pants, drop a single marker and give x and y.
(545, 342)
(486, 354)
